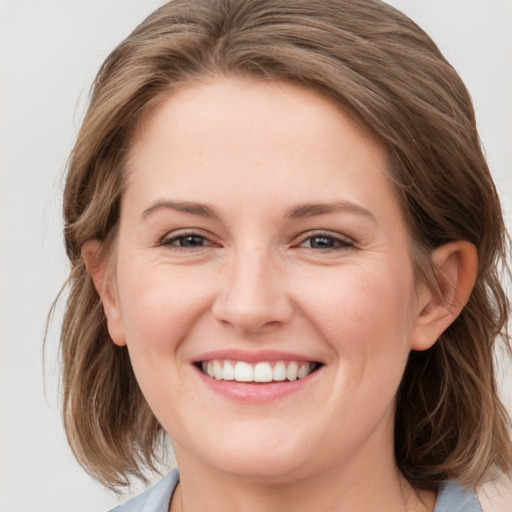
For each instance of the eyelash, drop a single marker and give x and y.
(178, 238)
(338, 243)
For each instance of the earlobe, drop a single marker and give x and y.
(97, 267)
(456, 268)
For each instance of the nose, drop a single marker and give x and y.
(253, 298)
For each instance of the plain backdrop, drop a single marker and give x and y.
(50, 51)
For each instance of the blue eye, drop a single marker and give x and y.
(325, 242)
(187, 241)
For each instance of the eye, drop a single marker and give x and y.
(325, 241)
(187, 241)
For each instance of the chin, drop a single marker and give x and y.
(256, 455)
(268, 468)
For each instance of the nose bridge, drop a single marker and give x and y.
(254, 295)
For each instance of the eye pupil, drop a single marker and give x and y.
(321, 242)
(191, 241)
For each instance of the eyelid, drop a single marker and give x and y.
(344, 241)
(174, 235)
(170, 237)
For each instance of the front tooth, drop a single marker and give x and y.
(303, 370)
(263, 372)
(243, 372)
(217, 369)
(228, 372)
(291, 371)
(279, 372)
(211, 373)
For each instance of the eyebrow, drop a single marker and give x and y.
(299, 211)
(200, 209)
(312, 209)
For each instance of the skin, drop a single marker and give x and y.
(336, 287)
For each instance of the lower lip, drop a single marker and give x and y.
(256, 392)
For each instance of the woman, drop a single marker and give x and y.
(285, 244)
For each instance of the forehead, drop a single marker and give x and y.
(250, 139)
(232, 103)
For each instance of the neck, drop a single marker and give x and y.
(368, 480)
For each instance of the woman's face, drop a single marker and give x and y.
(261, 240)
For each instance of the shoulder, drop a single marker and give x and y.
(454, 497)
(154, 499)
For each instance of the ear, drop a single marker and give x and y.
(456, 268)
(97, 267)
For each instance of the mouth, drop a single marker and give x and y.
(260, 372)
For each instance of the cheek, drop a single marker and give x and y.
(160, 308)
(159, 305)
(366, 318)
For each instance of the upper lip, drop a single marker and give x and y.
(255, 356)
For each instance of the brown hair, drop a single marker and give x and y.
(387, 73)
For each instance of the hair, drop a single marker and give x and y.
(381, 68)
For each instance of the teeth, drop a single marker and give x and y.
(263, 372)
(279, 371)
(303, 371)
(244, 372)
(217, 370)
(260, 372)
(291, 371)
(228, 372)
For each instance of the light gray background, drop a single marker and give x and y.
(49, 53)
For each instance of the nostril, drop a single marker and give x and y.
(252, 299)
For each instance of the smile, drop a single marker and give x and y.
(263, 371)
